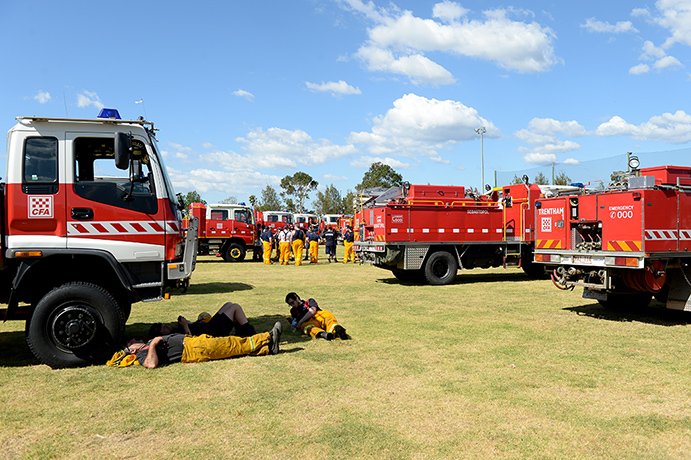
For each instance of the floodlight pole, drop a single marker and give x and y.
(481, 131)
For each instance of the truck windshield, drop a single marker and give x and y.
(169, 185)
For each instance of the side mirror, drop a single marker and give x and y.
(123, 150)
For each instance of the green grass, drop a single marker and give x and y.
(493, 366)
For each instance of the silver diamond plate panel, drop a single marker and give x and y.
(414, 257)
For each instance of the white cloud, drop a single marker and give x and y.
(399, 39)
(571, 161)
(639, 69)
(365, 162)
(42, 97)
(276, 147)
(540, 158)
(674, 128)
(206, 180)
(333, 178)
(336, 88)
(417, 125)
(675, 15)
(667, 61)
(87, 98)
(593, 25)
(208, 145)
(244, 94)
(543, 135)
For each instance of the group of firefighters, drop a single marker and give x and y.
(292, 240)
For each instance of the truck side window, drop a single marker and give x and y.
(40, 173)
(219, 215)
(242, 216)
(97, 178)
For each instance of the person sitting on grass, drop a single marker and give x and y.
(229, 316)
(176, 347)
(307, 317)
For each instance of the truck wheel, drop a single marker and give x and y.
(234, 253)
(441, 268)
(74, 325)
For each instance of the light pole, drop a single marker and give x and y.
(481, 131)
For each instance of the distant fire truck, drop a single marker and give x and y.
(625, 244)
(277, 219)
(305, 221)
(90, 225)
(428, 232)
(226, 229)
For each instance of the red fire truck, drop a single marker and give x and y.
(305, 221)
(90, 225)
(624, 244)
(277, 219)
(227, 229)
(427, 232)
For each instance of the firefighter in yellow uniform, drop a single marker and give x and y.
(313, 238)
(266, 238)
(297, 240)
(284, 245)
(306, 316)
(348, 241)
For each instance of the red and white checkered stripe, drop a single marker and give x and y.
(146, 227)
(661, 235)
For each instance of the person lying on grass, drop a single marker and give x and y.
(307, 317)
(177, 347)
(229, 316)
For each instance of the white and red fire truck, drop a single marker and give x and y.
(277, 219)
(90, 225)
(305, 220)
(625, 244)
(428, 232)
(227, 229)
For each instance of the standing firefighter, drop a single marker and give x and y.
(313, 238)
(284, 245)
(267, 238)
(348, 241)
(297, 240)
(330, 237)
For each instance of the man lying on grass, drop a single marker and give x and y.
(307, 317)
(176, 347)
(229, 316)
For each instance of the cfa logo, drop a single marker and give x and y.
(397, 219)
(40, 207)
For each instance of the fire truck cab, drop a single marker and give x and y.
(277, 219)
(90, 225)
(304, 221)
(227, 229)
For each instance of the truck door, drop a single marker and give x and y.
(112, 209)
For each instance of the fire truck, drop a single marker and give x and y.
(277, 219)
(625, 244)
(304, 221)
(90, 225)
(329, 221)
(428, 232)
(229, 230)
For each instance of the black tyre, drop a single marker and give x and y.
(532, 269)
(441, 268)
(75, 324)
(414, 276)
(234, 253)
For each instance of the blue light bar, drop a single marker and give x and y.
(109, 113)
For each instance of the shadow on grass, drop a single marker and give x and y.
(217, 288)
(466, 278)
(16, 352)
(654, 314)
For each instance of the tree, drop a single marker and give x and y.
(348, 203)
(191, 197)
(230, 200)
(253, 201)
(270, 201)
(329, 202)
(562, 179)
(541, 179)
(380, 175)
(298, 185)
(290, 205)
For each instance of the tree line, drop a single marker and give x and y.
(295, 190)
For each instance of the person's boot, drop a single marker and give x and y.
(275, 337)
(325, 335)
(340, 332)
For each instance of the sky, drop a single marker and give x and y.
(245, 93)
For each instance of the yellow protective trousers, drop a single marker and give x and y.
(314, 251)
(349, 253)
(267, 252)
(285, 252)
(322, 321)
(202, 348)
(298, 245)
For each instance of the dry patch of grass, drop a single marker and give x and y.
(494, 366)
